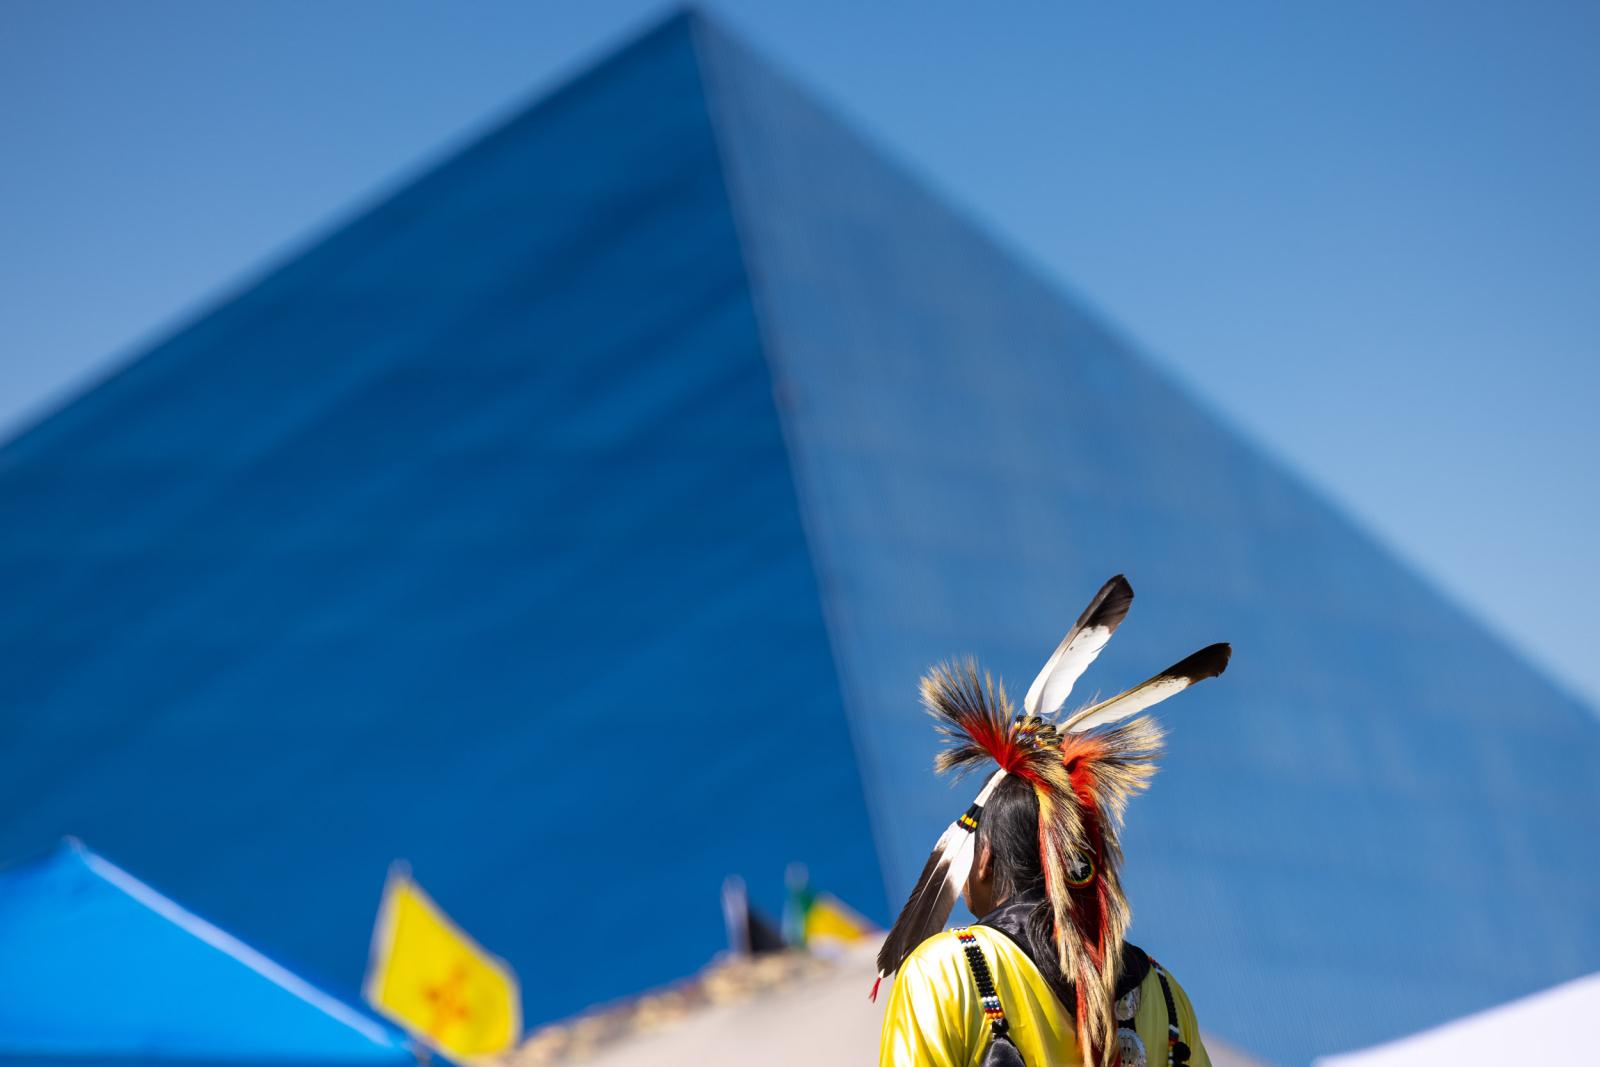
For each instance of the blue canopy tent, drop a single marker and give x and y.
(96, 966)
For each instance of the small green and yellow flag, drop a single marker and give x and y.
(819, 921)
(828, 920)
(426, 974)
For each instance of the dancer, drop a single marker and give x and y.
(1046, 976)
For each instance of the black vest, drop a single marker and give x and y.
(1011, 919)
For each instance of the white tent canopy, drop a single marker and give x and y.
(1548, 1027)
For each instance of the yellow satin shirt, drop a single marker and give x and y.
(934, 1018)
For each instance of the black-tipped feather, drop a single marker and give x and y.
(1080, 647)
(1207, 663)
(931, 901)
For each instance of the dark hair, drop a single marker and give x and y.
(1010, 827)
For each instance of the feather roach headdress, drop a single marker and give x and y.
(1083, 768)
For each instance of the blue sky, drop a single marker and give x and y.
(1367, 232)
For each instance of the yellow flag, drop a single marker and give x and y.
(829, 919)
(431, 978)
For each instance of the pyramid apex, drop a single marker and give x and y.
(685, 17)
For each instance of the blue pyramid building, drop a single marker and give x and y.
(577, 522)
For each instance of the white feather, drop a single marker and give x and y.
(1061, 672)
(954, 850)
(1079, 648)
(961, 863)
(956, 880)
(1130, 703)
(989, 787)
(1206, 663)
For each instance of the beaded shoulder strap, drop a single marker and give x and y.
(1177, 1050)
(1002, 1052)
(984, 981)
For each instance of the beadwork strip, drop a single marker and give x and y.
(1177, 1049)
(984, 981)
